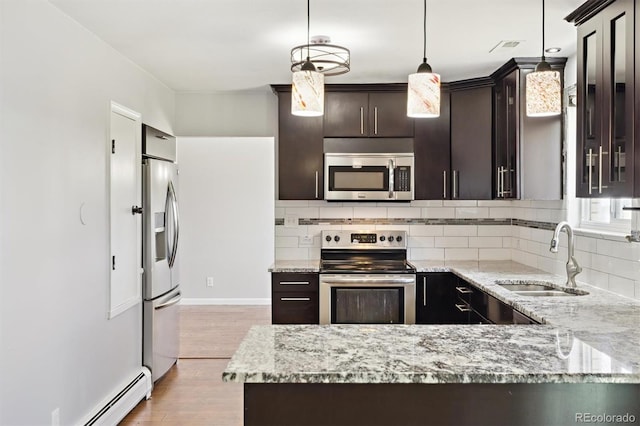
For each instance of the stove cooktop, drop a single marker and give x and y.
(367, 266)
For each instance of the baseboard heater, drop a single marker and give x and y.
(120, 405)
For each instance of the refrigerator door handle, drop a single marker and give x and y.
(176, 224)
(171, 302)
(171, 204)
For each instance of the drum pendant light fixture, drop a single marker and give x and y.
(543, 88)
(423, 91)
(307, 88)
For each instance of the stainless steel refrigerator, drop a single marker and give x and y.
(161, 229)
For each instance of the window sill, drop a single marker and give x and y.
(605, 235)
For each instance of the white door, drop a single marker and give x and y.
(125, 195)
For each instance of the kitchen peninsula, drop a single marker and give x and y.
(583, 358)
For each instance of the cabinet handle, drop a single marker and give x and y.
(455, 184)
(375, 120)
(362, 120)
(316, 184)
(463, 308)
(589, 125)
(424, 291)
(590, 174)
(600, 186)
(619, 157)
(444, 184)
(295, 299)
(294, 283)
(464, 290)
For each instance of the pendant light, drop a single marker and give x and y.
(543, 89)
(423, 92)
(307, 88)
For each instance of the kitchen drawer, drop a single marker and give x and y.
(519, 318)
(294, 308)
(294, 282)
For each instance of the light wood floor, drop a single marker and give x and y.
(192, 393)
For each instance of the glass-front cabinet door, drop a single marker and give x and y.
(605, 102)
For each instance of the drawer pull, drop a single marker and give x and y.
(464, 290)
(295, 299)
(294, 283)
(463, 308)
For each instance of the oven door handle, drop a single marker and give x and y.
(364, 281)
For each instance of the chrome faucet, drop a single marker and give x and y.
(573, 268)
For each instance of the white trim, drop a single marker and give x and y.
(117, 310)
(225, 301)
(605, 235)
(125, 112)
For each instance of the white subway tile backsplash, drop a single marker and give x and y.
(507, 242)
(623, 286)
(302, 212)
(279, 212)
(295, 231)
(472, 212)
(417, 242)
(404, 212)
(460, 230)
(286, 242)
(451, 242)
(485, 242)
(500, 213)
(336, 212)
(426, 254)
(426, 203)
(585, 244)
(494, 230)
(293, 253)
(595, 278)
(617, 249)
(495, 203)
(461, 254)
(438, 213)
(371, 212)
(426, 230)
(460, 203)
(292, 203)
(494, 254)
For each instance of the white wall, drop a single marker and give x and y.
(234, 113)
(58, 349)
(227, 215)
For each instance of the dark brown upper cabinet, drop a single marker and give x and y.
(471, 138)
(367, 111)
(300, 156)
(527, 151)
(605, 97)
(432, 149)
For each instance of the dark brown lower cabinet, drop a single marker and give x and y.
(294, 298)
(442, 404)
(444, 298)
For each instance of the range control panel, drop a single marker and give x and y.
(364, 239)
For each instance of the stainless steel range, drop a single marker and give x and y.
(365, 278)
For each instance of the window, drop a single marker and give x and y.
(605, 214)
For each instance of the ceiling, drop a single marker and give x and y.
(218, 45)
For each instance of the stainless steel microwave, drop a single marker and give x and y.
(367, 177)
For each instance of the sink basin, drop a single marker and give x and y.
(535, 288)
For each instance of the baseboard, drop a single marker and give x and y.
(116, 407)
(225, 301)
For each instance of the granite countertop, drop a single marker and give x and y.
(592, 338)
(295, 266)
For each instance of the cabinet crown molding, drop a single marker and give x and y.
(586, 11)
(556, 63)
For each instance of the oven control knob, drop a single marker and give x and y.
(336, 238)
(328, 238)
(382, 238)
(399, 238)
(390, 238)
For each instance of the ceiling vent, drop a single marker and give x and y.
(505, 44)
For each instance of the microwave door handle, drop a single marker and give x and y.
(391, 180)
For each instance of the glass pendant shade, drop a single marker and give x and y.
(543, 93)
(423, 95)
(307, 94)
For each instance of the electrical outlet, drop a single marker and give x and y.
(209, 281)
(305, 240)
(55, 417)
(291, 220)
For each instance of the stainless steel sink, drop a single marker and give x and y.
(535, 288)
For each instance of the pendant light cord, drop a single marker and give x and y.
(424, 34)
(308, 26)
(543, 30)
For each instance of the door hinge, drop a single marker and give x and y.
(113, 263)
(113, 146)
